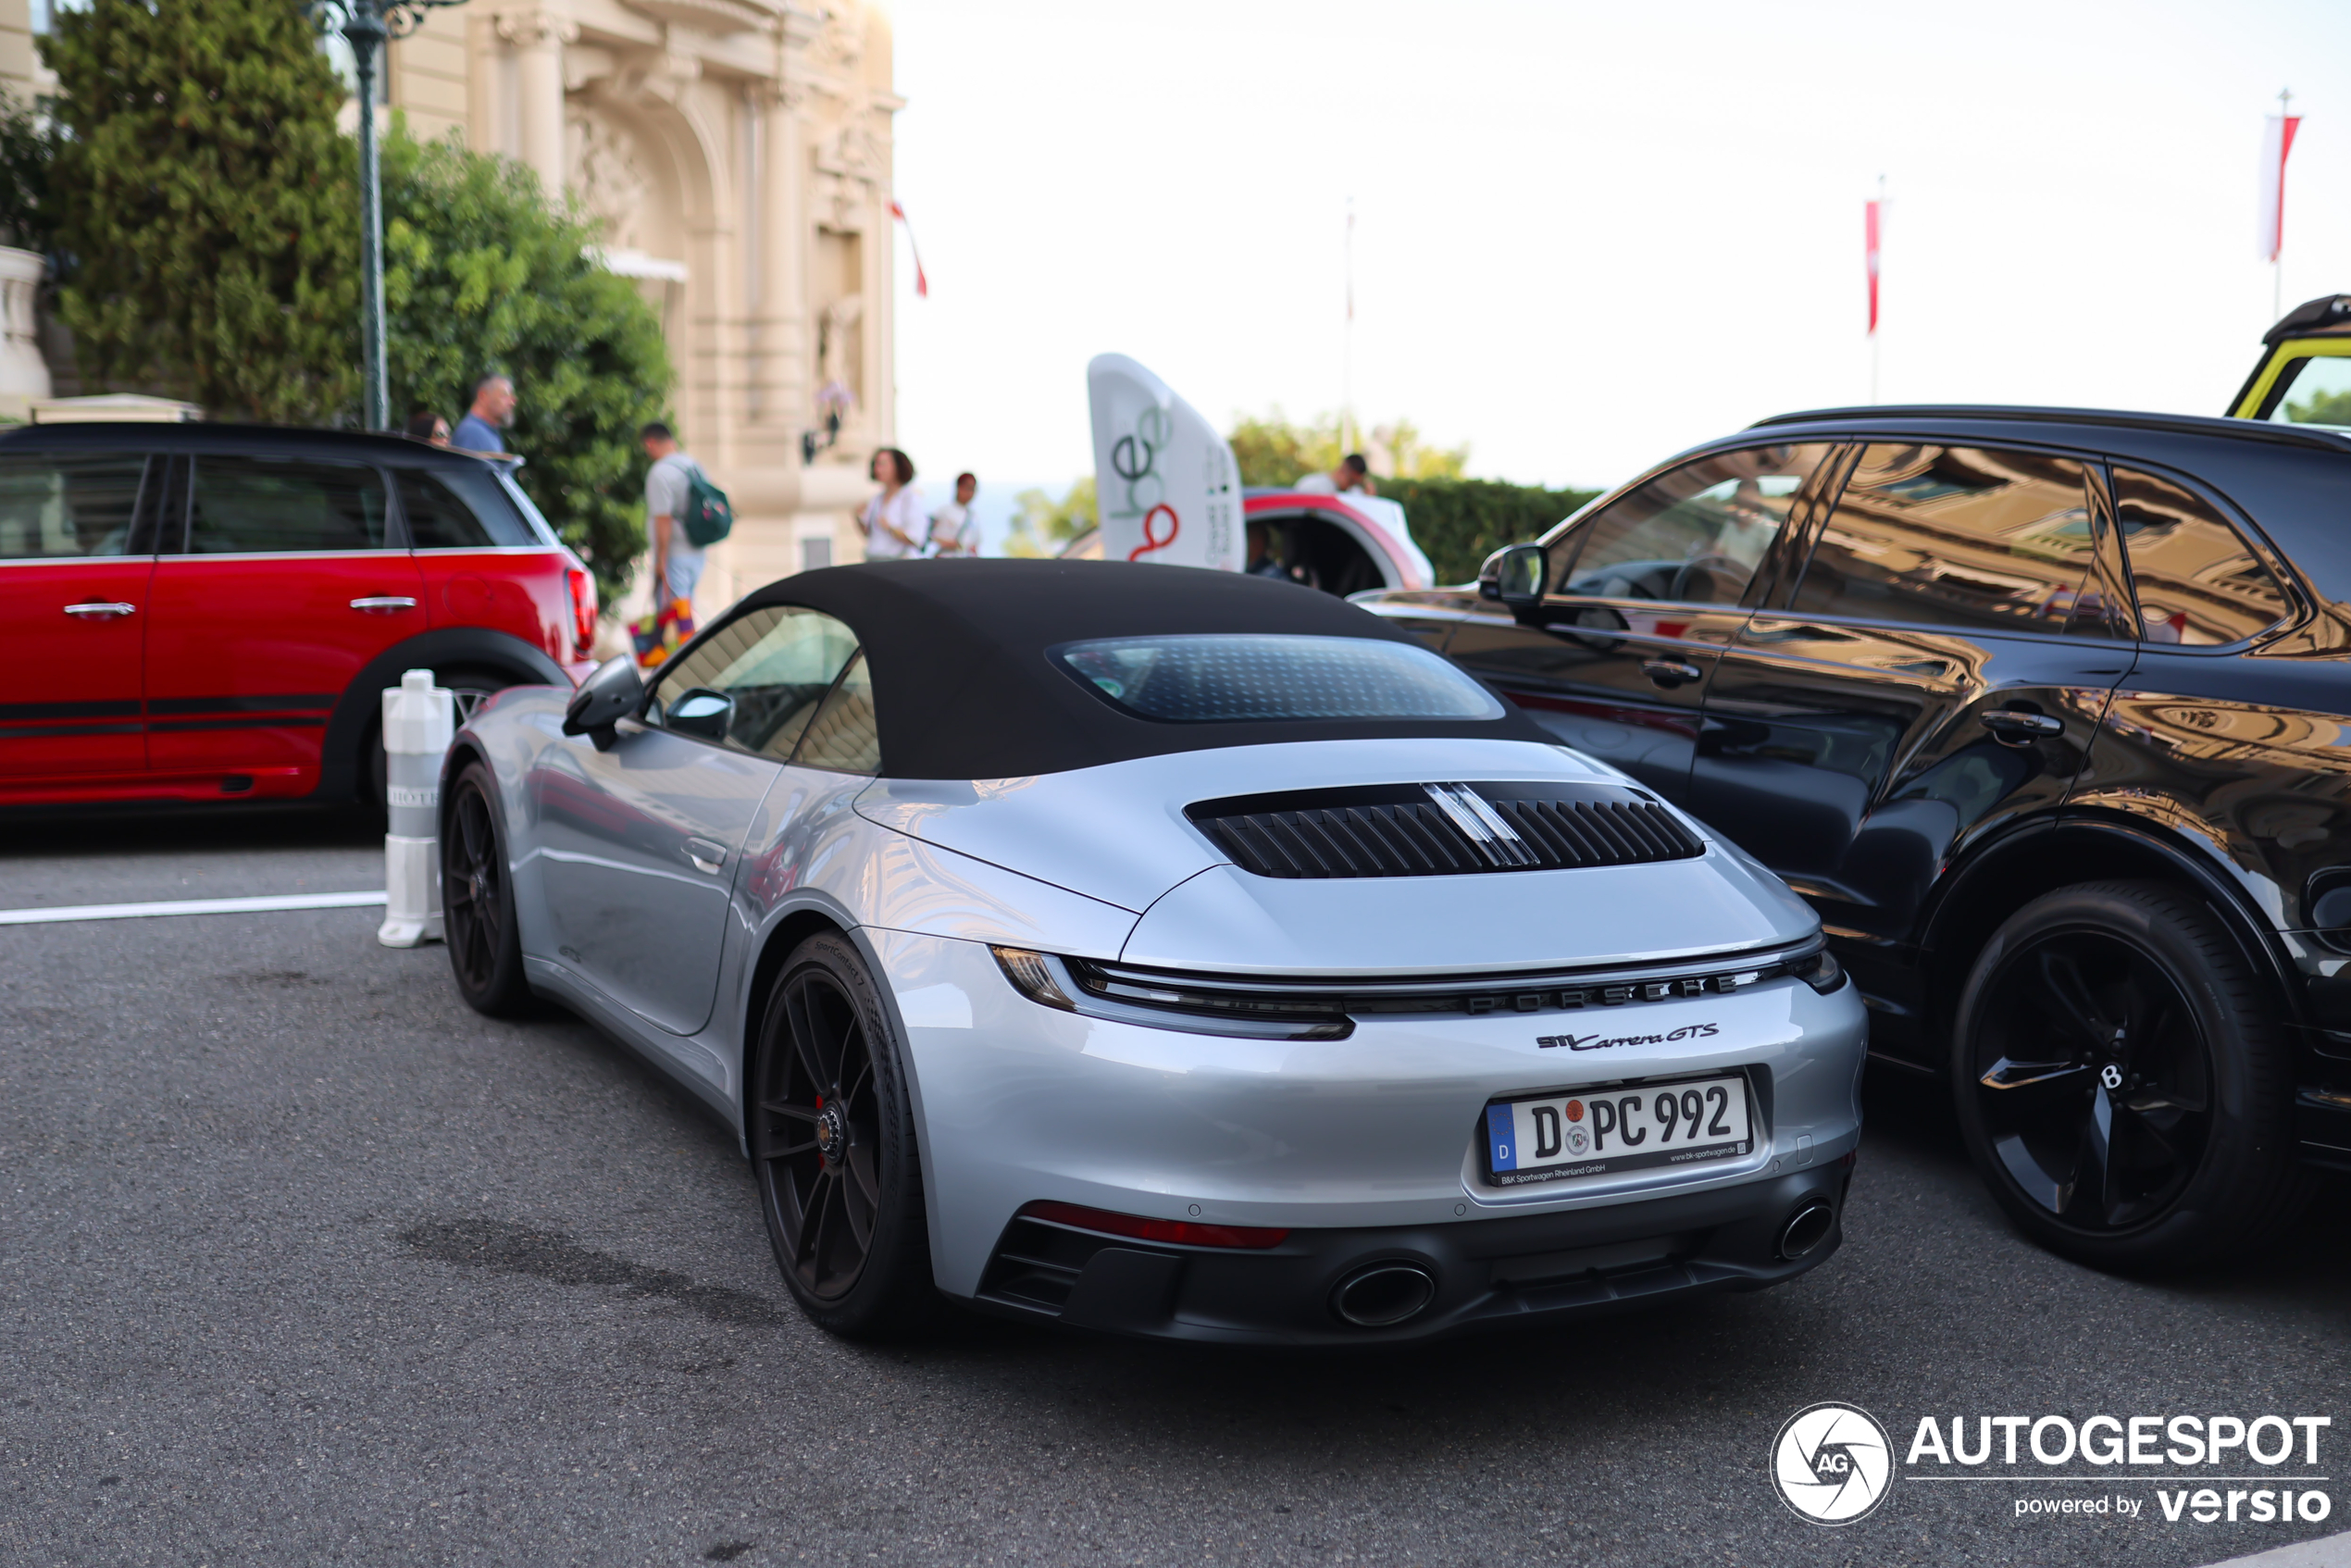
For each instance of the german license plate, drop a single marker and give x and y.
(1607, 1131)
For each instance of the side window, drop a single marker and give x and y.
(843, 735)
(57, 507)
(437, 518)
(241, 506)
(2316, 390)
(1960, 536)
(2198, 583)
(1694, 535)
(777, 664)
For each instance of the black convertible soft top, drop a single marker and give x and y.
(962, 688)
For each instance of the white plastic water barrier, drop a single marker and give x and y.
(419, 720)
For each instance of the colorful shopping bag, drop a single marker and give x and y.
(657, 635)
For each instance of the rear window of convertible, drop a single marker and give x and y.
(1241, 678)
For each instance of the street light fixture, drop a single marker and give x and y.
(365, 25)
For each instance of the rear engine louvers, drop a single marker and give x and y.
(1443, 830)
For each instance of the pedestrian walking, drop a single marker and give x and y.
(954, 530)
(493, 407)
(677, 500)
(892, 521)
(426, 425)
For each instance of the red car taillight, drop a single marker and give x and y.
(583, 610)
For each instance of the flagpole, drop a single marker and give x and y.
(1878, 262)
(1347, 347)
(2277, 257)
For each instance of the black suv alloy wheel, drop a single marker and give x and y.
(2119, 1082)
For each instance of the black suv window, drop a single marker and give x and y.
(67, 505)
(1693, 534)
(244, 505)
(1968, 537)
(2197, 581)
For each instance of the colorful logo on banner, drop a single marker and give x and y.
(1166, 480)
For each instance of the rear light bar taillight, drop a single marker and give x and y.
(583, 610)
(1183, 1233)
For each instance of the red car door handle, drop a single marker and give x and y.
(388, 604)
(99, 610)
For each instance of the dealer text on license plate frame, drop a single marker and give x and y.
(1540, 1138)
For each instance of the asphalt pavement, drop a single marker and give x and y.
(301, 1262)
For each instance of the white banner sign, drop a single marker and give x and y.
(1165, 480)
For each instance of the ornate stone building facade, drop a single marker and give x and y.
(738, 153)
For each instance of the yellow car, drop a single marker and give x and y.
(2305, 378)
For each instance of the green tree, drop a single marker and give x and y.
(2321, 408)
(1460, 522)
(28, 154)
(483, 274)
(1273, 451)
(1043, 525)
(205, 208)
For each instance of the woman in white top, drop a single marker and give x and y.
(892, 521)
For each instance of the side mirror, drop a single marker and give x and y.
(702, 713)
(605, 698)
(1517, 574)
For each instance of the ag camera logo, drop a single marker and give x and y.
(1832, 1464)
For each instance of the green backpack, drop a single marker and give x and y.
(710, 516)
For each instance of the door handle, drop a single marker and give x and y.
(389, 604)
(2013, 728)
(1671, 672)
(705, 856)
(99, 610)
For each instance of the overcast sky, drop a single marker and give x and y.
(1588, 235)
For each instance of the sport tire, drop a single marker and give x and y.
(832, 1142)
(2121, 1084)
(477, 899)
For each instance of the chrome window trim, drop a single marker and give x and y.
(482, 550)
(402, 551)
(6, 561)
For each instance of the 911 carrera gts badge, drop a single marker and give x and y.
(1603, 1042)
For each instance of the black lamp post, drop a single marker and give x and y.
(365, 25)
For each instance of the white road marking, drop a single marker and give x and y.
(189, 906)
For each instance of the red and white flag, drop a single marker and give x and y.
(2277, 141)
(922, 284)
(1871, 226)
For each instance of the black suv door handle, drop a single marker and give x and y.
(1671, 672)
(2016, 728)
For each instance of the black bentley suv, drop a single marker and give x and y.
(2048, 712)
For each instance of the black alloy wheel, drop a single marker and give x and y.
(832, 1139)
(2120, 1084)
(477, 900)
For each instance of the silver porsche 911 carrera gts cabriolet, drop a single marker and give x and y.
(1165, 952)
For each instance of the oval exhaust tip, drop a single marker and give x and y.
(1806, 1228)
(1384, 1295)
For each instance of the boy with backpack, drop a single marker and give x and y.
(685, 515)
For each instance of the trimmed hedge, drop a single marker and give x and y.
(1460, 522)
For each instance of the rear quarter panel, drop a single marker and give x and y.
(517, 589)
